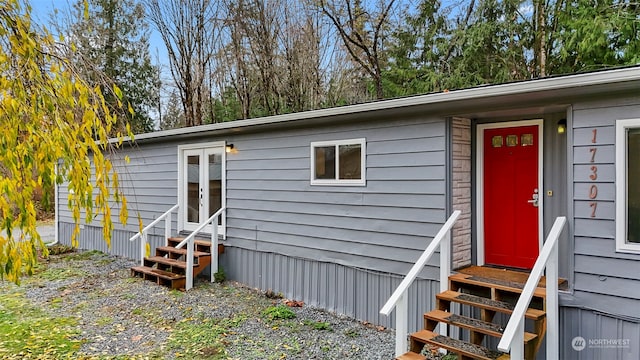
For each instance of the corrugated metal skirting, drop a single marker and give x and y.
(91, 239)
(604, 336)
(354, 292)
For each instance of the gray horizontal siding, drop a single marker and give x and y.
(149, 182)
(603, 278)
(382, 226)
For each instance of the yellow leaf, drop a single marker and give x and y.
(86, 10)
(117, 91)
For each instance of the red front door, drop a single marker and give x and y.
(510, 191)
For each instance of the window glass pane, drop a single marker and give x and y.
(215, 184)
(633, 190)
(350, 161)
(193, 188)
(325, 162)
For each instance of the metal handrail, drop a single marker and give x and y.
(143, 234)
(399, 300)
(514, 331)
(214, 247)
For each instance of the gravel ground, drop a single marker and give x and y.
(126, 317)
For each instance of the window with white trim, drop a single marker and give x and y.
(627, 189)
(340, 162)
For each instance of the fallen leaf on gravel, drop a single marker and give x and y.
(293, 303)
(136, 338)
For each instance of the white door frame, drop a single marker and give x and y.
(480, 180)
(202, 149)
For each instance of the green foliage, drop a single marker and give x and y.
(318, 325)
(219, 276)
(112, 47)
(173, 116)
(353, 333)
(472, 43)
(27, 332)
(280, 312)
(55, 128)
(60, 249)
(209, 334)
(85, 255)
(54, 274)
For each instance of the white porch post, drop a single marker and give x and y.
(189, 270)
(214, 248)
(167, 228)
(445, 270)
(143, 247)
(402, 327)
(553, 322)
(517, 345)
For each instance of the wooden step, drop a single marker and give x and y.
(486, 303)
(512, 276)
(483, 327)
(166, 250)
(463, 348)
(157, 272)
(459, 280)
(167, 261)
(161, 277)
(411, 356)
(199, 244)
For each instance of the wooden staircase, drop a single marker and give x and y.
(169, 265)
(484, 292)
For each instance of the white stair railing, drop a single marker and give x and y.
(189, 241)
(399, 299)
(513, 336)
(143, 234)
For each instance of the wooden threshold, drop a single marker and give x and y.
(516, 278)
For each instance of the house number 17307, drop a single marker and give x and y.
(593, 189)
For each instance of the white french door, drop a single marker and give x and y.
(201, 185)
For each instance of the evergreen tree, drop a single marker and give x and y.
(112, 45)
(173, 117)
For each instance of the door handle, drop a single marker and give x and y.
(534, 200)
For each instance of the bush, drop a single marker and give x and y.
(220, 276)
(279, 312)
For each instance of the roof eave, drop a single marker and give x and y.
(622, 79)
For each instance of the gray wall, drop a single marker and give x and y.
(604, 279)
(338, 247)
(382, 226)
